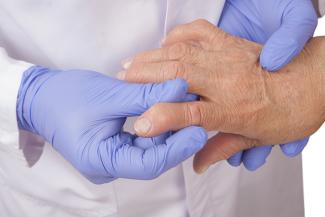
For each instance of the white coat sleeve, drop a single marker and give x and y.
(20, 145)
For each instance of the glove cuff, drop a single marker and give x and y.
(32, 80)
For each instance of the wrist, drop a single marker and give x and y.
(31, 82)
(317, 67)
(321, 68)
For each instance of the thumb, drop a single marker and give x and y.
(136, 163)
(298, 25)
(166, 117)
(220, 147)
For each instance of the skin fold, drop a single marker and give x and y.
(249, 105)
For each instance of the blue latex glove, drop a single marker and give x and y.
(82, 113)
(284, 26)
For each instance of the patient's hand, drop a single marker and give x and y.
(250, 106)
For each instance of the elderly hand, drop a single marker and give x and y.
(237, 95)
(284, 32)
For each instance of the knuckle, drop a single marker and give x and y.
(193, 114)
(178, 51)
(158, 112)
(202, 23)
(178, 69)
(134, 72)
(177, 30)
(249, 143)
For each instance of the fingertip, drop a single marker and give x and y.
(121, 75)
(200, 170)
(255, 158)
(202, 135)
(236, 159)
(297, 27)
(293, 149)
(289, 149)
(191, 97)
(143, 126)
(185, 143)
(198, 136)
(253, 166)
(278, 53)
(148, 142)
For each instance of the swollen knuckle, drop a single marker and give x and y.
(193, 114)
(178, 51)
(202, 23)
(178, 69)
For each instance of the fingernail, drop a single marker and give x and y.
(202, 169)
(142, 126)
(162, 42)
(121, 75)
(127, 63)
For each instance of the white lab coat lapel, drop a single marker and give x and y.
(185, 11)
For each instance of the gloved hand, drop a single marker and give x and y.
(284, 26)
(81, 113)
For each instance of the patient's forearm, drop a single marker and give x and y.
(302, 83)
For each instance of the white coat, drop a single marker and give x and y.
(98, 35)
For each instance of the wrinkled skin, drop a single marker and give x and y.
(238, 97)
(283, 27)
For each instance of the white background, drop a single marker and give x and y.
(314, 164)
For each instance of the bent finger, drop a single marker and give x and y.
(221, 147)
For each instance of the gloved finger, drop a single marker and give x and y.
(256, 157)
(298, 25)
(220, 147)
(234, 21)
(166, 117)
(293, 149)
(135, 163)
(191, 97)
(146, 143)
(143, 96)
(236, 159)
(96, 160)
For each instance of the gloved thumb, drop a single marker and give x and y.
(133, 162)
(298, 25)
